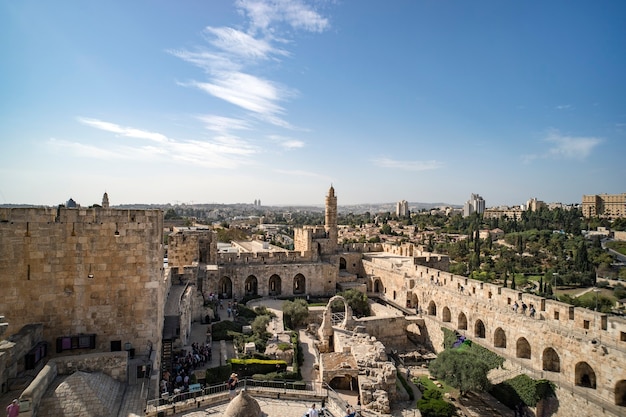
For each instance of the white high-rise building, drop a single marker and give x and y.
(402, 208)
(475, 204)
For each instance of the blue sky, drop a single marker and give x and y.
(229, 101)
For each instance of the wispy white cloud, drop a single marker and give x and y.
(123, 131)
(294, 13)
(384, 162)
(230, 60)
(224, 124)
(564, 107)
(287, 143)
(247, 91)
(565, 147)
(571, 147)
(224, 151)
(239, 43)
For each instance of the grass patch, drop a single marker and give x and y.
(427, 383)
(617, 246)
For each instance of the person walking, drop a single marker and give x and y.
(232, 385)
(13, 410)
(313, 412)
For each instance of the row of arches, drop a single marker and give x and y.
(251, 286)
(584, 374)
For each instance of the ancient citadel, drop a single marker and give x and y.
(87, 289)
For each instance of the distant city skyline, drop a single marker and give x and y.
(230, 102)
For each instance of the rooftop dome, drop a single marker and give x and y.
(243, 405)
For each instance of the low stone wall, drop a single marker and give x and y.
(391, 331)
(12, 352)
(113, 364)
(30, 398)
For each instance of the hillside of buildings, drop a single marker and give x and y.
(551, 252)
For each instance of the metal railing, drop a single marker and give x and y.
(274, 388)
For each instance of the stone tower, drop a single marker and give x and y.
(330, 224)
(105, 200)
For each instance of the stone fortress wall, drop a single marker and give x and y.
(82, 272)
(574, 347)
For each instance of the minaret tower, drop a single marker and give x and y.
(331, 217)
(105, 200)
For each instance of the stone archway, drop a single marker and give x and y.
(347, 311)
(251, 285)
(342, 263)
(462, 322)
(225, 288)
(499, 338)
(378, 286)
(344, 382)
(479, 329)
(299, 284)
(432, 308)
(326, 331)
(551, 360)
(523, 348)
(446, 316)
(274, 285)
(585, 375)
(620, 393)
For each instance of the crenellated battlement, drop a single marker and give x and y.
(262, 258)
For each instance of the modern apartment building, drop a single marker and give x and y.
(402, 208)
(476, 204)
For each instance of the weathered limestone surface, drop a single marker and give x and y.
(84, 271)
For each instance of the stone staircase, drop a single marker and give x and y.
(166, 355)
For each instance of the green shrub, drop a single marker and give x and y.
(295, 313)
(220, 330)
(522, 389)
(284, 346)
(245, 312)
(263, 311)
(432, 405)
(217, 375)
(247, 367)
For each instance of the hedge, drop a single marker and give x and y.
(248, 367)
(218, 374)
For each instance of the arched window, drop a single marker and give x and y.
(225, 288)
(523, 348)
(446, 316)
(462, 325)
(432, 309)
(299, 284)
(274, 285)
(499, 338)
(251, 285)
(342, 263)
(585, 375)
(551, 360)
(479, 329)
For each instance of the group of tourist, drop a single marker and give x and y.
(313, 411)
(183, 366)
(531, 309)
